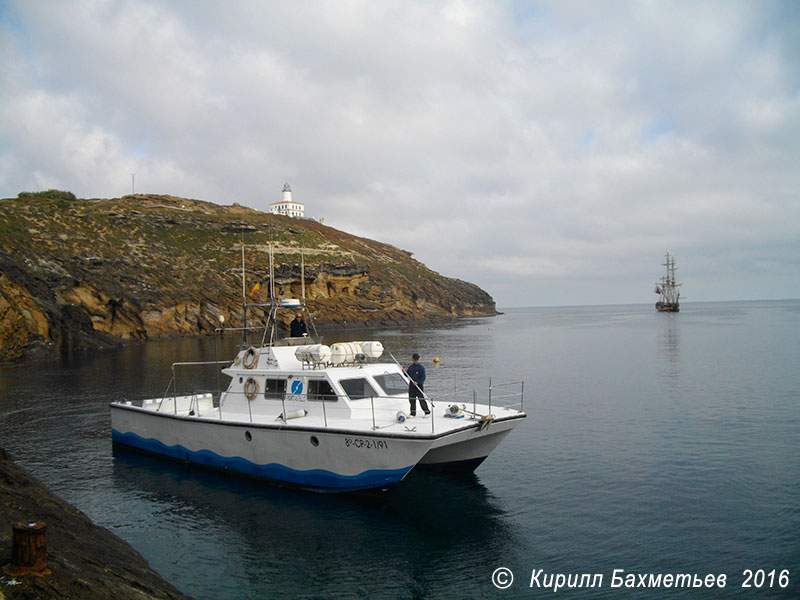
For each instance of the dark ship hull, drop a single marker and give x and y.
(668, 307)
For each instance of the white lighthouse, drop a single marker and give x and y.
(287, 206)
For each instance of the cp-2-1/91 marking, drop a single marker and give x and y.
(362, 444)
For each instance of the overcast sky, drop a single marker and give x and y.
(550, 152)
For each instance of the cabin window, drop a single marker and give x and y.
(274, 389)
(392, 383)
(358, 388)
(320, 389)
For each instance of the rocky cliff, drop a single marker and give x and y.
(92, 273)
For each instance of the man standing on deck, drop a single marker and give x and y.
(298, 328)
(417, 374)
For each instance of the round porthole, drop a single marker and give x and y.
(248, 436)
(314, 441)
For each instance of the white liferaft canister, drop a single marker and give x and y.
(337, 353)
(343, 352)
(372, 349)
(321, 352)
(313, 353)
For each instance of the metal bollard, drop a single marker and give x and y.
(28, 549)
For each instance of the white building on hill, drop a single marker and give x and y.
(287, 206)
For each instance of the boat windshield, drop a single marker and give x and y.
(358, 388)
(392, 383)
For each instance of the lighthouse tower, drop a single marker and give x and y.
(287, 206)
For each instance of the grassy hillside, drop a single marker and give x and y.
(78, 273)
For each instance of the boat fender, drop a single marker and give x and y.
(292, 414)
(401, 416)
(250, 358)
(250, 388)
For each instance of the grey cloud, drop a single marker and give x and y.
(547, 151)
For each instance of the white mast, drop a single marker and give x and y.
(271, 277)
(244, 296)
(244, 289)
(302, 278)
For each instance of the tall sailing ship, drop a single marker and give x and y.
(668, 289)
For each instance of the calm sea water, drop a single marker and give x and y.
(655, 443)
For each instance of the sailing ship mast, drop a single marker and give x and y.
(668, 288)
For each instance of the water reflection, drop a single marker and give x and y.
(668, 349)
(291, 541)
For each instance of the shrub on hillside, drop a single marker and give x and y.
(47, 195)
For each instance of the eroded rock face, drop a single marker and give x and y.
(93, 273)
(22, 323)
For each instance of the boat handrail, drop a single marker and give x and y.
(173, 381)
(509, 399)
(457, 396)
(505, 384)
(508, 383)
(310, 365)
(204, 362)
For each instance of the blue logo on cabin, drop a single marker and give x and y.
(297, 387)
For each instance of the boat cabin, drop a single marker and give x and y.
(295, 379)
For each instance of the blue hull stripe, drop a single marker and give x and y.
(314, 478)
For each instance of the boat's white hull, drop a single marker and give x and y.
(466, 450)
(315, 457)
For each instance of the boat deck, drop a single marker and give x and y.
(386, 420)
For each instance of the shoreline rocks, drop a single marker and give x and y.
(83, 559)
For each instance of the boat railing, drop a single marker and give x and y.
(380, 409)
(510, 395)
(197, 403)
(507, 397)
(173, 382)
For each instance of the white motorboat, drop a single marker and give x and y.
(318, 416)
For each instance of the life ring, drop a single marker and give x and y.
(250, 388)
(250, 358)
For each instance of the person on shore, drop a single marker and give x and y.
(298, 328)
(415, 388)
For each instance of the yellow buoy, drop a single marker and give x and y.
(436, 360)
